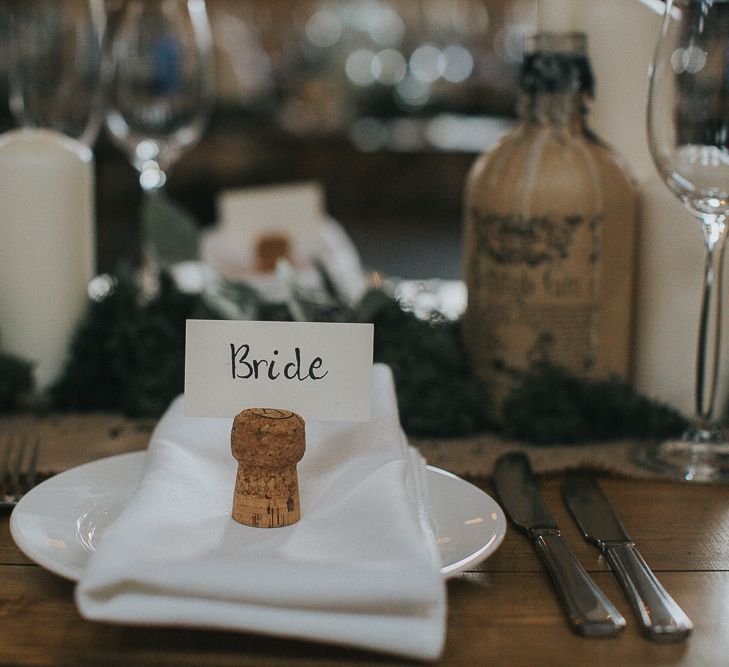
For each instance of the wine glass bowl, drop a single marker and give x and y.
(688, 109)
(688, 132)
(55, 66)
(160, 83)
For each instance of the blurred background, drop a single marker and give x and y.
(385, 102)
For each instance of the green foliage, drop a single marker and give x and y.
(551, 406)
(170, 233)
(437, 394)
(128, 354)
(16, 381)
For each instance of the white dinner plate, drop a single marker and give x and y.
(61, 521)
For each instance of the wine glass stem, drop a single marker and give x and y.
(152, 176)
(707, 355)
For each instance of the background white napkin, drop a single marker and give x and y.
(230, 252)
(361, 567)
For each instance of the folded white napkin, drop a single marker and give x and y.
(229, 250)
(360, 568)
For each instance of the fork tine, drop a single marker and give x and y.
(32, 469)
(7, 471)
(4, 466)
(4, 463)
(17, 467)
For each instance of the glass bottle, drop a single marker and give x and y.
(550, 224)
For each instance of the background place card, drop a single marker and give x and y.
(322, 371)
(294, 210)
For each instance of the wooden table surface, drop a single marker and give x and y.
(503, 612)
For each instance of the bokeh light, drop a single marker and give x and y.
(358, 67)
(368, 134)
(427, 63)
(412, 92)
(323, 29)
(389, 67)
(458, 63)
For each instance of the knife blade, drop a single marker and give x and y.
(589, 612)
(660, 617)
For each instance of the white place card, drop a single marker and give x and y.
(322, 371)
(295, 210)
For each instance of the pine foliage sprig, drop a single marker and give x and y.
(16, 381)
(128, 354)
(551, 406)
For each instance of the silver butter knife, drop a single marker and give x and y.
(660, 617)
(590, 613)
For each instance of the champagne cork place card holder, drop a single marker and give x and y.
(270, 377)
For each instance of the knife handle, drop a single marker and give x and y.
(661, 618)
(590, 613)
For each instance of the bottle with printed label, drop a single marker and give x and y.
(550, 225)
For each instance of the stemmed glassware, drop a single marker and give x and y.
(688, 129)
(55, 66)
(159, 83)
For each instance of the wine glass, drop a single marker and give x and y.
(55, 66)
(160, 83)
(688, 131)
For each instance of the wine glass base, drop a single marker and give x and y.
(686, 459)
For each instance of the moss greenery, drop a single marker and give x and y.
(16, 381)
(128, 355)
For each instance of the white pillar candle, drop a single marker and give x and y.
(46, 245)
